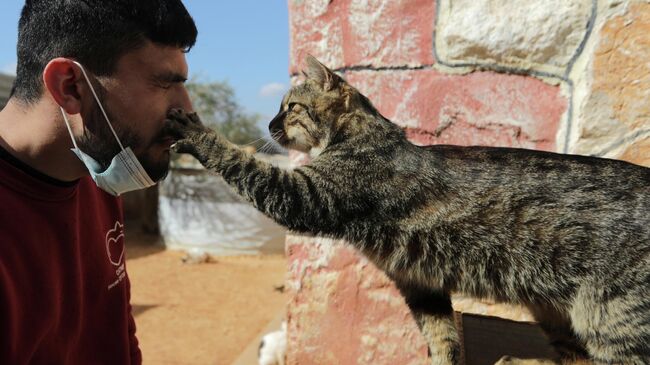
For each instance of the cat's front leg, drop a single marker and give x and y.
(434, 316)
(299, 199)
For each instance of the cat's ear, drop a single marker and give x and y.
(318, 72)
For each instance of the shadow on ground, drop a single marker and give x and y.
(139, 309)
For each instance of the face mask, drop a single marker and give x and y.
(125, 172)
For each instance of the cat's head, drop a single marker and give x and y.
(310, 113)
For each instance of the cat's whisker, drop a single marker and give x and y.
(269, 147)
(275, 143)
(271, 142)
(255, 141)
(265, 147)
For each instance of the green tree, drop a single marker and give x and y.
(216, 104)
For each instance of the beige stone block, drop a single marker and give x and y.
(638, 152)
(614, 117)
(526, 34)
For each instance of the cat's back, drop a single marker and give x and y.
(554, 191)
(586, 205)
(498, 164)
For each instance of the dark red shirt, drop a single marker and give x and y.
(64, 292)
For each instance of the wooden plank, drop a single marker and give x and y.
(458, 321)
(487, 339)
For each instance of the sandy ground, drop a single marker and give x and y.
(204, 313)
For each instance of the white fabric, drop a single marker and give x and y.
(199, 210)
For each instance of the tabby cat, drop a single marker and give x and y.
(566, 236)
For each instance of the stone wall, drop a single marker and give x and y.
(564, 76)
(612, 85)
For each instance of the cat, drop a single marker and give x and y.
(273, 347)
(566, 236)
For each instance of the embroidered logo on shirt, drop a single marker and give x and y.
(115, 251)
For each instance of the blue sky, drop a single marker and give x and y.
(245, 42)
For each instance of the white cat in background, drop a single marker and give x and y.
(197, 255)
(273, 347)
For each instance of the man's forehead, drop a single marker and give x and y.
(154, 59)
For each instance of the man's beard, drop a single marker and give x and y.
(99, 143)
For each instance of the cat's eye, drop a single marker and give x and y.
(298, 107)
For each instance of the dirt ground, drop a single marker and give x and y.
(200, 313)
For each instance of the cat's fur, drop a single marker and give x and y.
(567, 236)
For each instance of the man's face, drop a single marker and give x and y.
(147, 83)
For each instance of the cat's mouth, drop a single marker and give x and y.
(280, 137)
(276, 129)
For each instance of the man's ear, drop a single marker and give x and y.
(323, 76)
(64, 81)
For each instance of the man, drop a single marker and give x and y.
(95, 80)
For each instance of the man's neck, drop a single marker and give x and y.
(36, 135)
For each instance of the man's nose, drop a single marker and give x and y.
(183, 101)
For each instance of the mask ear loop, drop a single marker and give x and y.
(67, 124)
(92, 89)
(74, 142)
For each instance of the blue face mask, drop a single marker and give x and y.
(125, 172)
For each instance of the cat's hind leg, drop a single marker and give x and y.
(434, 316)
(557, 327)
(615, 326)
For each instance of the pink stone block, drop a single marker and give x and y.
(343, 33)
(343, 310)
(482, 108)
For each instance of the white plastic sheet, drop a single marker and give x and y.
(198, 209)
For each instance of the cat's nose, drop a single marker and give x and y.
(276, 124)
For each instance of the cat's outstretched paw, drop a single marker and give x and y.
(185, 128)
(509, 360)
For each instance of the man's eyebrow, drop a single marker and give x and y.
(170, 76)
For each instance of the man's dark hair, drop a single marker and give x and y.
(94, 32)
